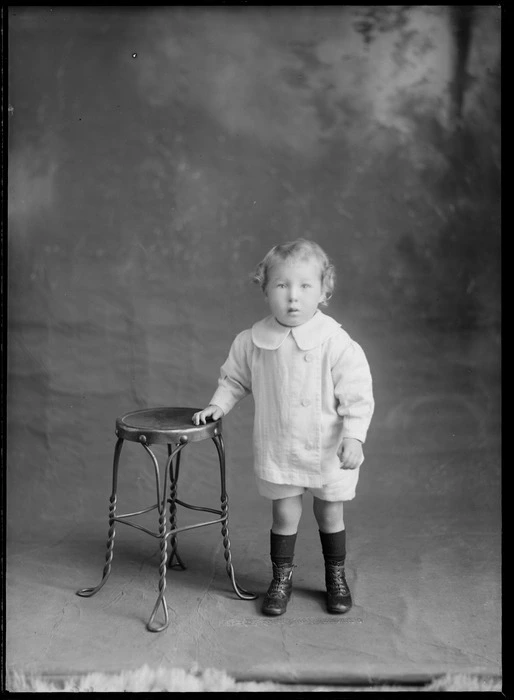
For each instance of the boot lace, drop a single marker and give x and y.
(279, 583)
(337, 581)
(277, 588)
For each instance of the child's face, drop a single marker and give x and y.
(294, 291)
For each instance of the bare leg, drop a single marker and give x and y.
(286, 515)
(329, 515)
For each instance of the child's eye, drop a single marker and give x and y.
(281, 284)
(305, 286)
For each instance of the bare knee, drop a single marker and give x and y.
(286, 515)
(329, 515)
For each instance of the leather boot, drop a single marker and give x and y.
(339, 599)
(279, 591)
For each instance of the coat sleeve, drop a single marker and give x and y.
(235, 380)
(353, 389)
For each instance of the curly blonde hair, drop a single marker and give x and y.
(300, 249)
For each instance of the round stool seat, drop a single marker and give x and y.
(165, 425)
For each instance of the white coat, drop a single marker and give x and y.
(312, 387)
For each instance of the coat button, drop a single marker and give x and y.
(306, 402)
(308, 445)
(308, 357)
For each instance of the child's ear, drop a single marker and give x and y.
(325, 296)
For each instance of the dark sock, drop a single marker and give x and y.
(282, 548)
(333, 545)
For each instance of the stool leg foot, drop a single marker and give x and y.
(161, 600)
(241, 592)
(175, 555)
(245, 595)
(88, 592)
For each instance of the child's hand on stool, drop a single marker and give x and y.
(351, 454)
(212, 412)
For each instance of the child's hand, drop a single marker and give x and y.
(211, 411)
(351, 453)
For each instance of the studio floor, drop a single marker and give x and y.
(426, 591)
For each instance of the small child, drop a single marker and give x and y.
(313, 397)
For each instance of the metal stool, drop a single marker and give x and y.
(173, 427)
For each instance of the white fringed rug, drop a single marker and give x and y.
(179, 680)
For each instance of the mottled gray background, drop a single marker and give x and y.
(154, 156)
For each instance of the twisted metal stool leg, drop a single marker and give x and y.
(241, 592)
(173, 511)
(161, 600)
(163, 545)
(87, 592)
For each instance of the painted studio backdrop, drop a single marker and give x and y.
(156, 154)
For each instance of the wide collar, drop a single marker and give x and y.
(269, 334)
